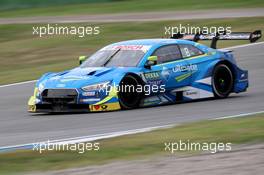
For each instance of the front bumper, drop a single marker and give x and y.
(68, 100)
(56, 108)
(43, 108)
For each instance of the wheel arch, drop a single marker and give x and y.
(139, 79)
(232, 68)
(230, 65)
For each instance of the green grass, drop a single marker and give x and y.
(118, 6)
(236, 131)
(24, 56)
(22, 4)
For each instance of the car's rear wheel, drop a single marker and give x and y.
(128, 96)
(222, 81)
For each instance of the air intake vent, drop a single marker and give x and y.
(61, 96)
(91, 73)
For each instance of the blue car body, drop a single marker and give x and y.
(184, 79)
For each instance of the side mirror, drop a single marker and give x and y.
(151, 61)
(82, 59)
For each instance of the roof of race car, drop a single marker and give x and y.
(152, 42)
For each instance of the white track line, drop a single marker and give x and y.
(83, 139)
(244, 45)
(238, 115)
(20, 83)
(233, 47)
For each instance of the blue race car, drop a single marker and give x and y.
(146, 72)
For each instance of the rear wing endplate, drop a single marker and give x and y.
(251, 36)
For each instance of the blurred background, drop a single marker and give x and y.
(22, 52)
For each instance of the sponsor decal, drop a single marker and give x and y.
(191, 93)
(192, 67)
(244, 80)
(105, 107)
(99, 107)
(128, 47)
(60, 85)
(87, 94)
(90, 99)
(152, 75)
(143, 48)
(153, 100)
(155, 82)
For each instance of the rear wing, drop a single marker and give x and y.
(251, 36)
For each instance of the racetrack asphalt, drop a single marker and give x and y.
(139, 16)
(17, 126)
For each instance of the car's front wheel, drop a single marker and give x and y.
(222, 81)
(128, 96)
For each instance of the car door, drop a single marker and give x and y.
(171, 70)
(196, 58)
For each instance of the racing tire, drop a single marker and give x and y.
(222, 81)
(129, 98)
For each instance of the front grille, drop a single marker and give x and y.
(62, 108)
(59, 96)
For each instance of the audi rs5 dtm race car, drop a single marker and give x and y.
(156, 71)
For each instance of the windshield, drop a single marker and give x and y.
(116, 56)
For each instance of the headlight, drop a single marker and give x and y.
(94, 87)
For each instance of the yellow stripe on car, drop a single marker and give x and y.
(112, 94)
(103, 105)
(32, 100)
